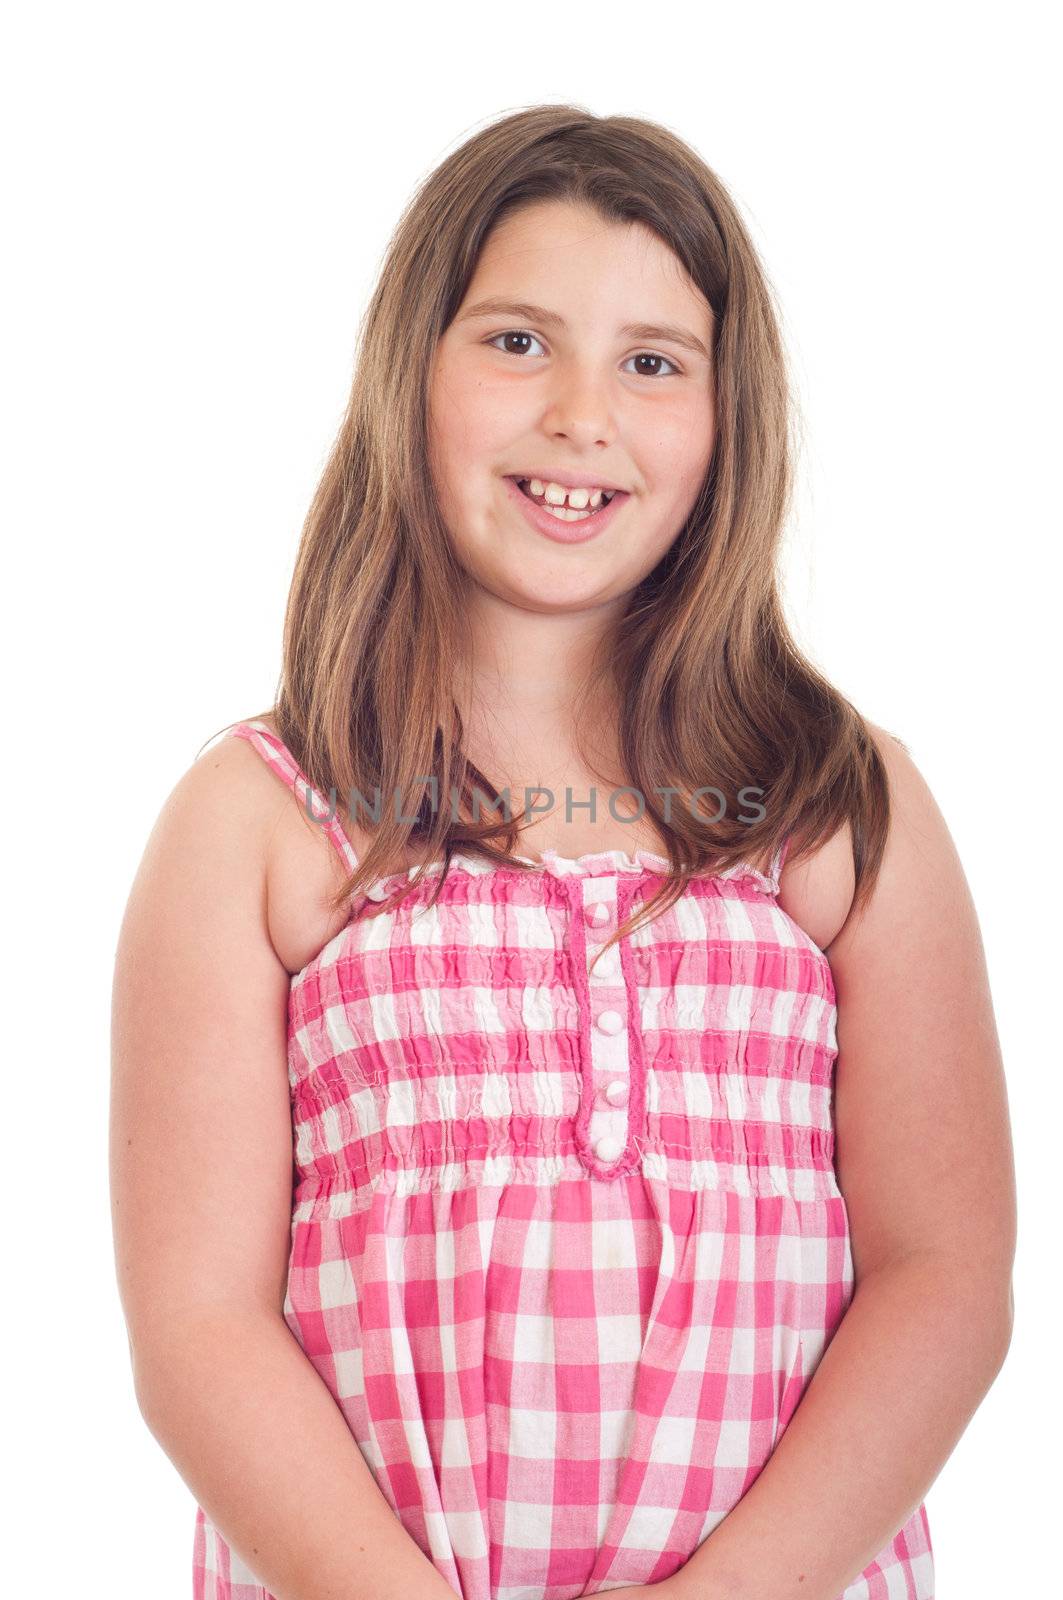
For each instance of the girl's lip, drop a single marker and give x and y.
(555, 528)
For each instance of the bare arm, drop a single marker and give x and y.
(925, 1164)
(201, 1201)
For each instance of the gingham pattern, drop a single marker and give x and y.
(567, 1241)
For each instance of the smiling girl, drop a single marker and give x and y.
(633, 1210)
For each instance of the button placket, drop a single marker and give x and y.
(608, 1126)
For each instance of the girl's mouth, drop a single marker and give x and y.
(570, 529)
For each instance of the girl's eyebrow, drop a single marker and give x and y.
(550, 319)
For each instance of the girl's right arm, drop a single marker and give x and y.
(201, 1156)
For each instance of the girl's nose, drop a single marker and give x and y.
(580, 406)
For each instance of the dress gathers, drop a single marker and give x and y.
(567, 1243)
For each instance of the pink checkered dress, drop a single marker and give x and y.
(567, 1242)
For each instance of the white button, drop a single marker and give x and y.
(598, 915)
(608, 966)
(610, 1021)
(608, 1148)
(617, 1092)
(377, 891)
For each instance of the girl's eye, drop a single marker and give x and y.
(513, 333)
(650, 355)
(643, 355)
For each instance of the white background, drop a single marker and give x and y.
(196, 202)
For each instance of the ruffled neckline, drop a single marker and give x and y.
(595, 864)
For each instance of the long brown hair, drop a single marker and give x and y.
(712, 691)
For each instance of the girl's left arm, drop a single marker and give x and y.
(924, 1160)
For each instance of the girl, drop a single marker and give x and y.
(649, 1220)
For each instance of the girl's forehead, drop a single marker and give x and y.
(585, 271)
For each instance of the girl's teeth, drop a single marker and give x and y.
(564, 515)
(555, 497)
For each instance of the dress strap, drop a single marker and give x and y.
(778, 857)
(277, 756)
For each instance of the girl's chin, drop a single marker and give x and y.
(554, 591)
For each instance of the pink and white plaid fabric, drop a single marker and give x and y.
(567, 1240)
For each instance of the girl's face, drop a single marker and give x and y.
(584, 369)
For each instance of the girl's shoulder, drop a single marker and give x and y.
(302, 868)
(818, 891)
